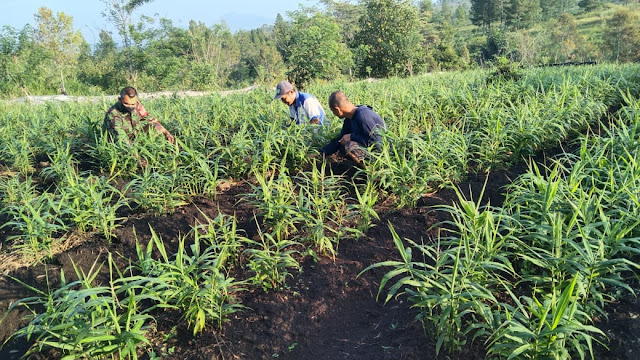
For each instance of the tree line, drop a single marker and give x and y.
(332, 40)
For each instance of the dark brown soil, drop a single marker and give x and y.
(327, 310)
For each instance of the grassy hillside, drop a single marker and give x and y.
(590, 28)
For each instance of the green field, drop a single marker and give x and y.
(527, 277)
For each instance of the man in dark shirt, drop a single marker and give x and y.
(360, 129)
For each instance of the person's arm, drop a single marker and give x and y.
(142, 112)
(153, 122)
(333, 146)
(159, 128)
(314, 111)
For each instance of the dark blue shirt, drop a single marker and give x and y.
(364, 128)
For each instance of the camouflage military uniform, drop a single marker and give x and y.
(119, 122)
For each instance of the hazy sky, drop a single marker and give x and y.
(87, 14)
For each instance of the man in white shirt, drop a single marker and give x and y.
(303, 107)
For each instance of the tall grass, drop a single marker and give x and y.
(560, 248)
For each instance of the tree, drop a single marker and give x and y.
(120, 14)
(447, 58)
(495, 46)
(425, 6)
(589, 5)
(622, 36)
(465, 58)
(213, 53)
(445, 13)
(389, 41)
(160, 54)
(565, 37)
(57, 36)
(447, 33)
(106, 46)
(102, 69)
(460, 17)
(486, 12)
(425, 16)
(317, 50)
(346, 15)
(259, 60)
(523, 14)
(282, 36)
(15, 47)
(525, 45)
(553, 8)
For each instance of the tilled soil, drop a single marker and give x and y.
(329, 310)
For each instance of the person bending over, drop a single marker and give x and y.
(303, 107)
(360, 129)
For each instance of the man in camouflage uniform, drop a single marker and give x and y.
(128, 117)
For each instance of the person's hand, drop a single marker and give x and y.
(287, 124)
(345, 139)
(169, 137)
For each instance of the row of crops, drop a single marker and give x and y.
(563, 245)
(61, 175)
